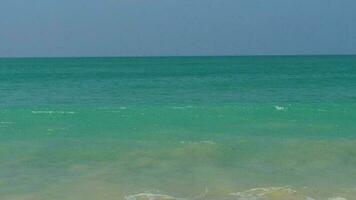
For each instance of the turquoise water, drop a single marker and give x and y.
(209, 128)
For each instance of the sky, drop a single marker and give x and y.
(49, 28)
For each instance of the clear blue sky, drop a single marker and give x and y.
(176, 27)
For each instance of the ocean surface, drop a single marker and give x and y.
(178, 128)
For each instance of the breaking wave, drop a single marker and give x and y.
(267, 193)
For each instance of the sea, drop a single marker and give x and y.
(178, 128)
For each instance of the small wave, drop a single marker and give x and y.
(270, 193)
(280, 108)
(151, 196)
(267, 193)
(7, 122)
(198, 142)
(52, 112)
(181, 107)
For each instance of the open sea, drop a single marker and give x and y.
(178, 128)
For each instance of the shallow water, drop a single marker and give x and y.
(215, 128)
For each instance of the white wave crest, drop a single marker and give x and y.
(269, 193)
(280, 108)
(52, 112)
(198, 142)
(7, 122)
(153, 196)
(181, 107)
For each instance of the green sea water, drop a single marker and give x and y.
(178, 128)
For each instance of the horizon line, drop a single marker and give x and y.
(181, 56)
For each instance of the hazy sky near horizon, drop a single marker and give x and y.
(176, 27)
